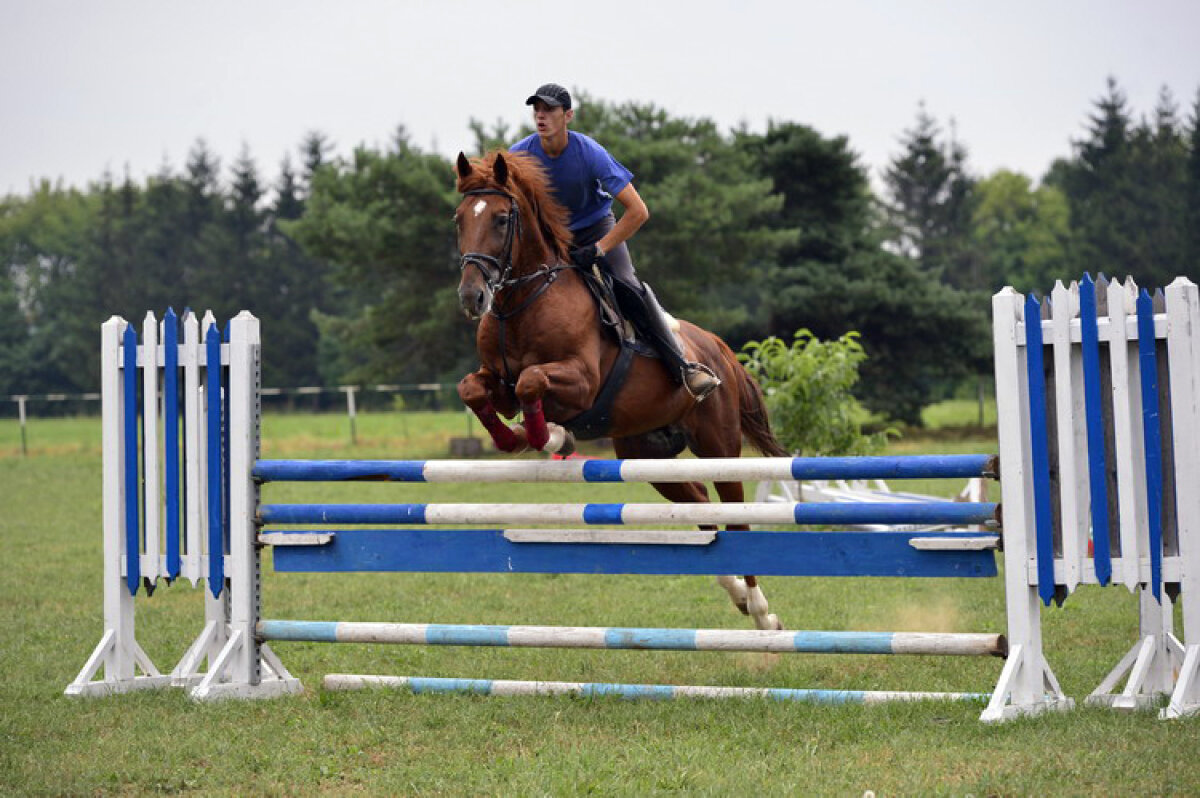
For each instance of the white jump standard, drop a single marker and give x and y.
(1066, 456)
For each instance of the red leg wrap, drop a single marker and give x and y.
(505, 439)
(535, 425)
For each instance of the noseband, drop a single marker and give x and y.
(496, 271)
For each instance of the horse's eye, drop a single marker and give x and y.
(501, 219)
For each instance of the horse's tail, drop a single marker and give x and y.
(756, 427)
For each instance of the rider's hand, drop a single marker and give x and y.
(585, 256)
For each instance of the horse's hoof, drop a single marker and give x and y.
(769, 624)
(561, 442)
(568, 447)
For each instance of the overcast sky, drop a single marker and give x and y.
(87, 86)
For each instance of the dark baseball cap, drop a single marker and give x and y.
(553, 95)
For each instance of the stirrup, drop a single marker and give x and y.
(704, 377)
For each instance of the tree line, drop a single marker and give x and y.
(352, 263)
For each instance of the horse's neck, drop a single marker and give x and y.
(533, 257)
(548, 280)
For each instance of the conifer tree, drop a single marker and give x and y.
(1192, 192)
(928, 204)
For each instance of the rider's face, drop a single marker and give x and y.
(550, 121)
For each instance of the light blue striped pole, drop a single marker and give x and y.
(503, 687)
(600, 637)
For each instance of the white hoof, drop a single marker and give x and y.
(561, 441)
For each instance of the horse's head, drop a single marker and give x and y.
(508, 223)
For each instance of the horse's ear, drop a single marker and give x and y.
(500, 169)
(464, 166)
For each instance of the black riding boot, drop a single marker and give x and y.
(642, 308)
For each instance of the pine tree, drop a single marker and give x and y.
(928, 205)
(1127, 189)
(315, 148)
(245, 193)
(1097, 183)
(1191, 219)
(1159, 160)
(288, 204)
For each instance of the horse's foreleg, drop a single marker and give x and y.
(475, 390)
(566, 383)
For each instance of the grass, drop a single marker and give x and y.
(394, 743)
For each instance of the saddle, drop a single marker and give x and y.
(612, 318)
(596, 421)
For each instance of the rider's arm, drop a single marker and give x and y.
(634, 217)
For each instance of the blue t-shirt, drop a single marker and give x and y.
(585, 177)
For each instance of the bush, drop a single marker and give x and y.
(808, 392)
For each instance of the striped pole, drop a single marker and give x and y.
(943, 512)
(727, 469)
(600, 637)
(503, 687)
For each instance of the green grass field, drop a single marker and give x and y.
(389, 743)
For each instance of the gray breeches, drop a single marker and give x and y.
(616, 262)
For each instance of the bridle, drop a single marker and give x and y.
(497, 271)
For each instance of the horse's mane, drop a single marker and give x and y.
(528, 182)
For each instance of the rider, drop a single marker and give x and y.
(586, 179)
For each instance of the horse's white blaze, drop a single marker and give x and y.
(478, 207)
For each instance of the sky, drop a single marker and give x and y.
(128, 86)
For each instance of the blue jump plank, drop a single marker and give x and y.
(762, 553)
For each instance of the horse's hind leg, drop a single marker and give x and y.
(745, 593)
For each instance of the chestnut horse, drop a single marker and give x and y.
(543, 350)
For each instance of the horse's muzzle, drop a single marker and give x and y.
(475, 300)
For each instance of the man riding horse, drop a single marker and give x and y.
(586, 179)
(543, 348)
